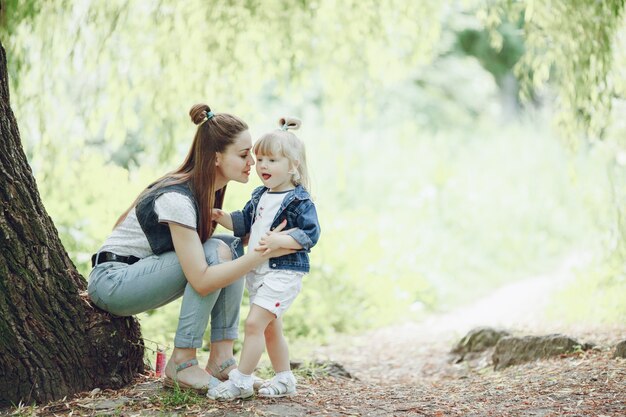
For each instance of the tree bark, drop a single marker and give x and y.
(53, 342)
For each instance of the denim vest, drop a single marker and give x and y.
(158, 234)
(299, 210)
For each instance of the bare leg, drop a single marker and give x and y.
(220, 352)
(254, 342)
(277, 347)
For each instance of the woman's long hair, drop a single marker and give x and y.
(215, 132)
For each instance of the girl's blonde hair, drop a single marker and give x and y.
(281, 142)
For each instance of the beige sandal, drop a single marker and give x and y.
(221, 372)
(201, 388)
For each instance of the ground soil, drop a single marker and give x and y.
(407, 370)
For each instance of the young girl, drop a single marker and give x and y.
(282, 201)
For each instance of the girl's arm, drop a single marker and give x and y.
(308, 230)
(205, 278)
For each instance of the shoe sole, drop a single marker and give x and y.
(171, 384)
(290, 394)
(225, 400)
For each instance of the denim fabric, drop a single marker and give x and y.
(158, 234)
(125, 290)
(299, 210)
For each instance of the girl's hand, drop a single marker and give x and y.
(278, 239)
(217, 214)
(222, 218)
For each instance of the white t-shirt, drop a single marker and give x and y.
(129, 239)
(266, 210)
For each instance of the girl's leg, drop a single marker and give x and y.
(254, 342)
(240, 381)
(277, 347)
(284, 383)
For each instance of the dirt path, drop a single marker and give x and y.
(411, 352)
(406, 370)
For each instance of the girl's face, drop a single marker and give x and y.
(236, 161)
(274, 172)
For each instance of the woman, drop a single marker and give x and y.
(162, 248)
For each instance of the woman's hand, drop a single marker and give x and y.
(276, 240)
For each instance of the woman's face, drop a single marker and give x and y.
(236, 160)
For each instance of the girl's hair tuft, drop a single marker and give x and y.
(293, 123)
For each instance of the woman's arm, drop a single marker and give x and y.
(205, 278)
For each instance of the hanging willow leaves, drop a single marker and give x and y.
(572, 45)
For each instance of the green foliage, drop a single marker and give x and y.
(578, 47)
(597, 295)
(571, 43)
(106, 75)
(498, 61)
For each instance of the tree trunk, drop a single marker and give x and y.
(53, 342)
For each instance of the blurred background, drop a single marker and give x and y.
(454, 146)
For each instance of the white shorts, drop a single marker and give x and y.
(274, 290)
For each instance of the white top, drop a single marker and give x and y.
(129, 239)
(268, 206)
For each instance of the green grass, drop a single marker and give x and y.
(176, 397)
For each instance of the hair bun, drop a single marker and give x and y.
(198, 113)
(289, 123)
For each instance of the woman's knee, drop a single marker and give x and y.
(234, 243)
(223, 252)
(216, 251)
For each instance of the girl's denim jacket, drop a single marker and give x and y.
(299, 210)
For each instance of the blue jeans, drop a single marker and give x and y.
(125, 290)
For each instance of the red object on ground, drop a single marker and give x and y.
(159, 368)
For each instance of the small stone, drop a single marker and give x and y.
(516, 350)
(477, 340)
(109, 404)
(620, 350)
